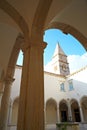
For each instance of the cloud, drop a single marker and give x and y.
(76, 62)
(48, 67)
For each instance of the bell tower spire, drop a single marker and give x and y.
(59, 61)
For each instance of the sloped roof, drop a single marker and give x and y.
(58, 50)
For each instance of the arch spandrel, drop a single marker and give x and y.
(63, 101)
(15, 15)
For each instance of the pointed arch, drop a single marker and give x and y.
(40, 17)
(73, 100)
(51, 111)
(51, 100)
(66, 28)
(63, 100)
(83, 102)
(63, 108)
(14, 56)
(75, 110)
(83, 98)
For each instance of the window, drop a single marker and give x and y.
(62, 87)
(70, 86)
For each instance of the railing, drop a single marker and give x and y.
(83, 126)
(68, 126)
(62, 126)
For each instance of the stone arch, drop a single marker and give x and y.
(40, 18)
(51, 100)
(66, 28)
(83, 102)
(64, 101)
(14, 116)
(83, 98)
(14, 56)
(73, 100)
(10, 74)
(75, 110)
(63, 109)
(51, 111)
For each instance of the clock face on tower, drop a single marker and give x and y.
(64, 67)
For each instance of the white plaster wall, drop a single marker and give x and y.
(80, 83)
(80, 75)
(52, 86)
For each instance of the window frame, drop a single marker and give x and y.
(70, 82)
(62, 87)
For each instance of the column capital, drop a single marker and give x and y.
(10, 71)
(20, 38)
(38, 43)
(42, 45)
(25, 46)
(9, 80)
(24, 42)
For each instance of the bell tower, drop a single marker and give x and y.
(59, 61)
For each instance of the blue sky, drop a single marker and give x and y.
(68, 43)
(72, 48)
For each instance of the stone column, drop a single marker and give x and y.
(5, 104)
(31, 102)
(1, 91)
(58, 113)
(10, 113)
(69, 111)
(81, 113)
(45, 115)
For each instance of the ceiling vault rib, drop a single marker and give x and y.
(41, 14)
(14, 56)
(14, 14)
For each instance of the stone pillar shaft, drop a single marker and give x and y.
(1, 91)
(45, 115)
(10, 113)
(81, 114)
(69, 111)
(5, 104)
(31, 102)
(58, 114)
